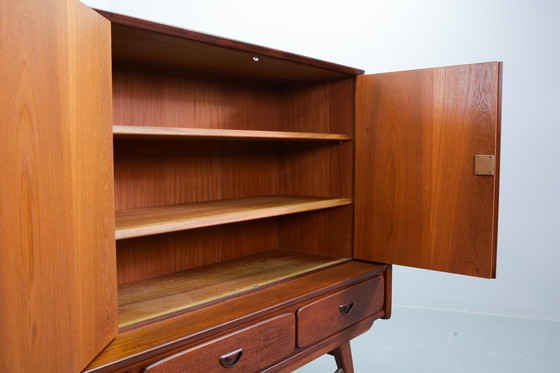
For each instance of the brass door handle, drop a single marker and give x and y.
(231, 359)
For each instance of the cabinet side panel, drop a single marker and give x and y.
(57, 252)
(418, 201)
(324, 170)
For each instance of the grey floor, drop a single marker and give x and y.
(417, 340)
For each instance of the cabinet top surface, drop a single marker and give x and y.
(140, 41)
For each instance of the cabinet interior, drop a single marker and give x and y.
(221, 162)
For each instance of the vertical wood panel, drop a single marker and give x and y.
(151, 256)
(324, 170)
(57, 252)
(327, 232)
(418, 202)
(156, 96)
(165, 172)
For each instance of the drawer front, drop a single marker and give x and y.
(246, 350)
(331, 314)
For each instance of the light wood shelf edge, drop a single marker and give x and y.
(222, 134)
(164, 219)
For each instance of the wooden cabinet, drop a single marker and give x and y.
(169, 196)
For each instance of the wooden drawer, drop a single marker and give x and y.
(333, 313)
(246, 350)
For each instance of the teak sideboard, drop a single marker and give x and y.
(178, 202)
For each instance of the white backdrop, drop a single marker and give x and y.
(392, 35)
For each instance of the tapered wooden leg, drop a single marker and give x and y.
(343, 357)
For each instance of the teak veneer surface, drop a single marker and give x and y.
(152, 43)
(342, 309)
(152, 256)
(162, 219)
(170, 335)
(147, 299)
(57, 280)
(207, 133)
(156, 96)
(327, 346)
(151, 173)
(417, 134)
(343, 357)
(262, 344)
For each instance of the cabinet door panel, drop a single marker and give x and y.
(57, 256)
(418, 200)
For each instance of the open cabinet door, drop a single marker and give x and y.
(58, 296)
(423, 198)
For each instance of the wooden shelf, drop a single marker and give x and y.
(147, 299)
(162, 219)
(222, 134)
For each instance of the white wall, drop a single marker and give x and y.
(392, 35)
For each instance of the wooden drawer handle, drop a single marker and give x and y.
(345, 309)
(230, 359)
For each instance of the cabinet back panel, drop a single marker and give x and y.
(147, 257)
(163, 172)
(150, 96)
(323, 170)
(157, 97)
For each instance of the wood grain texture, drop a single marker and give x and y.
(262, 344)
(339, 311)
(418, 202)
(327, 232)
(57, 256)
(388, 280)
(140, 347)
(152, 256)
(304, 356)
(158, 96)
(220, 134)
(153, 96)
(153, 43)
(326, 106)
(144, 300)
(343, 356)
(162, 219)
(167, 172)
(151, 172)
(310, 169)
